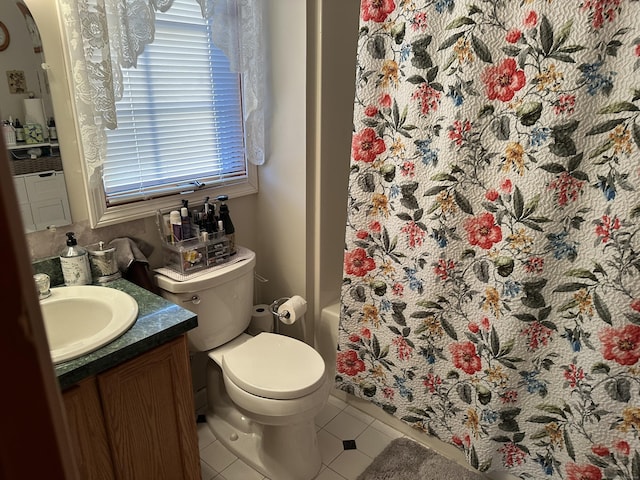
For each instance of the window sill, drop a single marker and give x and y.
(135, 211)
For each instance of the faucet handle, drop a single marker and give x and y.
(43, 283)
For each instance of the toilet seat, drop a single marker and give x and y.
(274, 366)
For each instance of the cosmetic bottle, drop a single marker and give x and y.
(229, 229)
(19, 131)
(209, 216)
(53, 132)
(185, 220)
(74, 262)
(176, 226)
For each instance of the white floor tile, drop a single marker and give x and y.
(350, 464)
(327, 414)
(371, 442)
(346, 426)
(328, 474)
(205, 436)
(330, 446)
(336, 422)
(208, 473)
(217, 456)
(239, 470)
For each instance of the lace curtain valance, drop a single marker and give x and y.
(106, 36)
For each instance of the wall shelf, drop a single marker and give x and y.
(27, 146)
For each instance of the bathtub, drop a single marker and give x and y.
(326, 336)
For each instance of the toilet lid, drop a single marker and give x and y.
(274, 366)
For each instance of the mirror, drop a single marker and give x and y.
(34, 152)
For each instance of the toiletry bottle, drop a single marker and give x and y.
(74, 262)
(9, 133)
(53, 132)
(19, 130)
(185, 219)
(176, 226)
(209, 216)
(186, 223)
(229, 229)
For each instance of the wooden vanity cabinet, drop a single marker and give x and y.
(136, 420)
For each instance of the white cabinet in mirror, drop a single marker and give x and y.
(37, 166)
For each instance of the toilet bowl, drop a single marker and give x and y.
(263, 391)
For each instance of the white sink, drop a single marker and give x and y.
(81, 319)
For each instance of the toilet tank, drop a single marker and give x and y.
(222, 298)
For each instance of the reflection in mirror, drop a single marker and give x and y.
(28, 122)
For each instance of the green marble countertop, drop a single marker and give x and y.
(158, 322)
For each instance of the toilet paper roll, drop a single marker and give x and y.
(34, 113)
(261, 319)
(292, 309)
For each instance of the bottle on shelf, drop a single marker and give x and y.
(17, 126)
(53, 132)
(9, 132)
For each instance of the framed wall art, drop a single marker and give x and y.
(17, 81)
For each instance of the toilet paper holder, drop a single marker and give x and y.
(277, 315)
(293, 311)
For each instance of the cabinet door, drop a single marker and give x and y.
(149, 412)
(88, 434)
(23, 204)
(48, 197)
(50, 212)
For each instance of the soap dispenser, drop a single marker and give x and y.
(74, 262)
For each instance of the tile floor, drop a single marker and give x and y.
(337, 423)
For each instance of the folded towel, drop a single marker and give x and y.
(127, 251)
(133, 263)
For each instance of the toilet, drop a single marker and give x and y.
(263, 391)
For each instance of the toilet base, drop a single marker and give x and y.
(287, 452)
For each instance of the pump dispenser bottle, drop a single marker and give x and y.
(74, 262)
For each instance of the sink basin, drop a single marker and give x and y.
(81, 319)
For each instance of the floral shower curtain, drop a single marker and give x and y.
(491, 291)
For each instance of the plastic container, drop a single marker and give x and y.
(74, 262)
(189, 256)
(229, 229)
(9, 134)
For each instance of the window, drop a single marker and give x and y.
(180, 117)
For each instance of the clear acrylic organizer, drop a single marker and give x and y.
(192, 254)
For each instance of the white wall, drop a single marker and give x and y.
(20, 55)
(280, 210)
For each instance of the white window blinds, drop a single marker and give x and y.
(180, 118)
